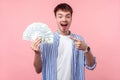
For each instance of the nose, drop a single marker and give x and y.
(64, 19)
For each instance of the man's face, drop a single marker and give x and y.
(63, 19)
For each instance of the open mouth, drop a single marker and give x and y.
(64, 24)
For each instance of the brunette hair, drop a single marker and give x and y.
(63, 7)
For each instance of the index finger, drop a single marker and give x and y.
(73, 38)
(37, 40)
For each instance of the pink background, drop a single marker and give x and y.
(98, 21)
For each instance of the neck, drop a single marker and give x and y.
(64, 33)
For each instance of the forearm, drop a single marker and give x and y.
(38, 62)
(89, 58)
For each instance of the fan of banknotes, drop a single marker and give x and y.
(38, 30)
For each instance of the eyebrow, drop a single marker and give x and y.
(66, 14)
(59, 13)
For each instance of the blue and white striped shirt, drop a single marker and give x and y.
(49, 53)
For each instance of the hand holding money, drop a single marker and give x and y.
(36, 45)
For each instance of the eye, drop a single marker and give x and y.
(59, 16)
(68, 16)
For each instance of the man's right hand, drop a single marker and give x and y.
(36, 44)
(37, 59)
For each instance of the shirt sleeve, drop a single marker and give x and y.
(90, 67)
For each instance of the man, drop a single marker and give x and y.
(66, 58)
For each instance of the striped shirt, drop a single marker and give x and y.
(49, 53)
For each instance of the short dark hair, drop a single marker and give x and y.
(64, 7)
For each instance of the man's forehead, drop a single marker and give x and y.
(63, 12)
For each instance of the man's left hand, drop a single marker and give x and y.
(81, 45)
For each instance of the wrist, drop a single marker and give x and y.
(37, 52)
(87, 50)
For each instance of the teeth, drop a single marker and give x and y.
(63, 24)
